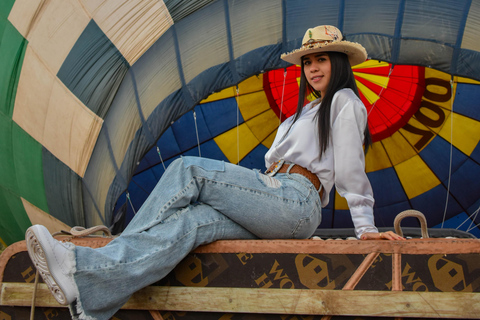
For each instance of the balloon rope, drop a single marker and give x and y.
(380, 93)
(131, 204)
(238, 122)
(34, 296)
(472, 218)
(196, 130)
(283, 92)
(161, 159)
(451, 151)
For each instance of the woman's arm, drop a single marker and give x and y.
(351, 180)
(349, 118)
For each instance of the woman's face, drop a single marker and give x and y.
(317, 69)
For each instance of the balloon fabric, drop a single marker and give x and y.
(97, 98)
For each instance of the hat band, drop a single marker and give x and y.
(312, 43)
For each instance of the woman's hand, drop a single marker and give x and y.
(389, 235)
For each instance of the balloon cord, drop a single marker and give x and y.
(451, 152)
(383, 88)
(161, 159)
(472, 218)
(196, 130)
(131, 204)
(283, 92)
(470, 228)
(34, 296)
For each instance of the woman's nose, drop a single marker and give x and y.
(313, 67)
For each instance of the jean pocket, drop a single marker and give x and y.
(306, 227)
(204, 163)
(300, 188)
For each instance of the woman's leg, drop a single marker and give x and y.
(197, 201)
(285, 206)
(106, 277)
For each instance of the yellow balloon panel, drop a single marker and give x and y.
(371, 96)
(269, 140)
(340, 202)
(237, 143)
(417, 135)
(252, 84)
(263, 125)
(398, 148)
(381, 81)
(430, 116)
(377, 158)
(371, 64)
(416, 177)
(438, 88)
(465, 80)
(422, 127)
(465, 133)
(223, 94)
(253, 104)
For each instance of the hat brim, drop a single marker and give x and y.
(356, 52)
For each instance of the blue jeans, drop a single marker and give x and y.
(197, 201)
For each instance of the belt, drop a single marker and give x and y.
(282, 167)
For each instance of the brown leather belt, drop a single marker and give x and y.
(281, 167)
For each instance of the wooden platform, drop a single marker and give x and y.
(285, 279)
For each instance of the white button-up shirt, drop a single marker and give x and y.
(342, 164)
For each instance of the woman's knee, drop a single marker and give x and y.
(176, 165)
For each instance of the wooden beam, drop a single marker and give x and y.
(397, 272)
(279, 301)
(360, 272)
(413, 246)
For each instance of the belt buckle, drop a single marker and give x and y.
(277, 167)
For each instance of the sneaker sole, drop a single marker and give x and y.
(37, 254)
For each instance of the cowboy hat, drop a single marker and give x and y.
(325, 39)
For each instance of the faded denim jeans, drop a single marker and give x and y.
(197, 201)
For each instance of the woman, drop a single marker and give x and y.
(198, 201)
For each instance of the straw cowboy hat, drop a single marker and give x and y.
(325, 39)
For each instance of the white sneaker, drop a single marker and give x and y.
(55, 262)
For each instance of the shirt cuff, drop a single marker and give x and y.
(362, 217)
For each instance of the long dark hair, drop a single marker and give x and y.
(341, 77)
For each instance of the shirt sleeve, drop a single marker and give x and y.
(351, 180)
